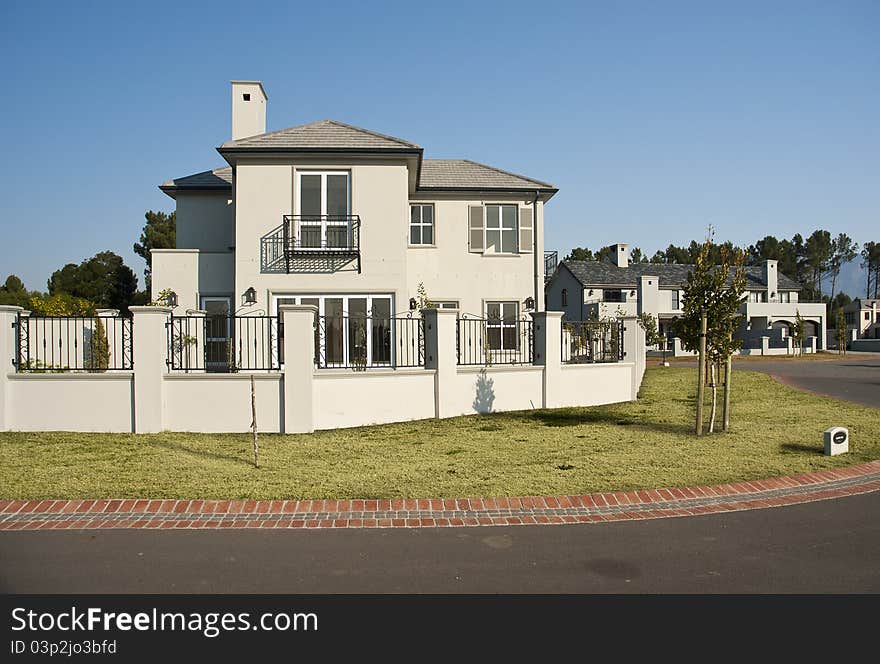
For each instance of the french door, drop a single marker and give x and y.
(352, 330)
(323, 203)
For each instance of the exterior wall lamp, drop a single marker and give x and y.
(529, 303)
(412, 304)
(249, 296)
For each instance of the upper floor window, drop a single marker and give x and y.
(675, 301)
(564, 297)
(614, 296)
(501, 229)
(757, 296)
(421, 224)
(785, 296)
(323, 204)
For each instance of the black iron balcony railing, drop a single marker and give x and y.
(551, 259)
(312, 242)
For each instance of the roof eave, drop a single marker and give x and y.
(548, 192)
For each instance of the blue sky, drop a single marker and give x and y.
(653, 119)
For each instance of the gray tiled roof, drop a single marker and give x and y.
(218, 178)
(322, 135)
(466, 174)
(670, 275)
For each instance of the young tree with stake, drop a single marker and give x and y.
(713, 292)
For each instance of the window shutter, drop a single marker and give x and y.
(526, 230)
(475, 228)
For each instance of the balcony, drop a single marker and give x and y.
(316, 243)
(551, 259)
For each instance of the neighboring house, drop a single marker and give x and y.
(599, 289)
(351, 221)
(863, 317)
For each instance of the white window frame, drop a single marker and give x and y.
(323, 223)
(322, 298)
(422, 225)
(501, 325)
(500, 229)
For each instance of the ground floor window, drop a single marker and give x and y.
(352, 329)
(501, 327)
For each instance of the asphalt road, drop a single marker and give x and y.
(827, 546)
(855, 378)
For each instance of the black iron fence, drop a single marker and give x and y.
(60, 344)
(488, 341)
(586, 342)
(224, 344)
(364, 342)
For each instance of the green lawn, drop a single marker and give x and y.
(776, 430)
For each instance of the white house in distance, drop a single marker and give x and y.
(351, 221)
(599, 289)
(863, 318)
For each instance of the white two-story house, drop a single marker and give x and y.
(598, 289)
(351, 221)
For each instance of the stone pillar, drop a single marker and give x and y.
(548, 351)
(765, 345)
(811, 344)
(299, 366)
(8, 358)
(634, 351)
(789, 343)
(149, 357)
(441, 355)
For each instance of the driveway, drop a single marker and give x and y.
(853, 378)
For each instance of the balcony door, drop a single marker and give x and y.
(323, 203)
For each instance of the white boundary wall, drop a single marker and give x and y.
(300, 398)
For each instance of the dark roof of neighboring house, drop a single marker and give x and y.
(670, 275)
(321, 135)
(861, 303)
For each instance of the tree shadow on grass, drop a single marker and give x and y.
(214, 456)
(802, 448)
(576, 417)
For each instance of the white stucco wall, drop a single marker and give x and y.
(379, 195)
(504, 387)
(220, 402)
(205, 221)
(450, 271)
(70, 402)
(192, 274)
(344, 398)
(593, 384)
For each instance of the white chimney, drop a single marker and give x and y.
(248, 109)
(620, 255)
(772, 280)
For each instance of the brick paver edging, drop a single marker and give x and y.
(432, 513)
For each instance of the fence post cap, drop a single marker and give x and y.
(147, 309)
(107, 312)
(440, 312)
(283, 308)
(11, 308)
